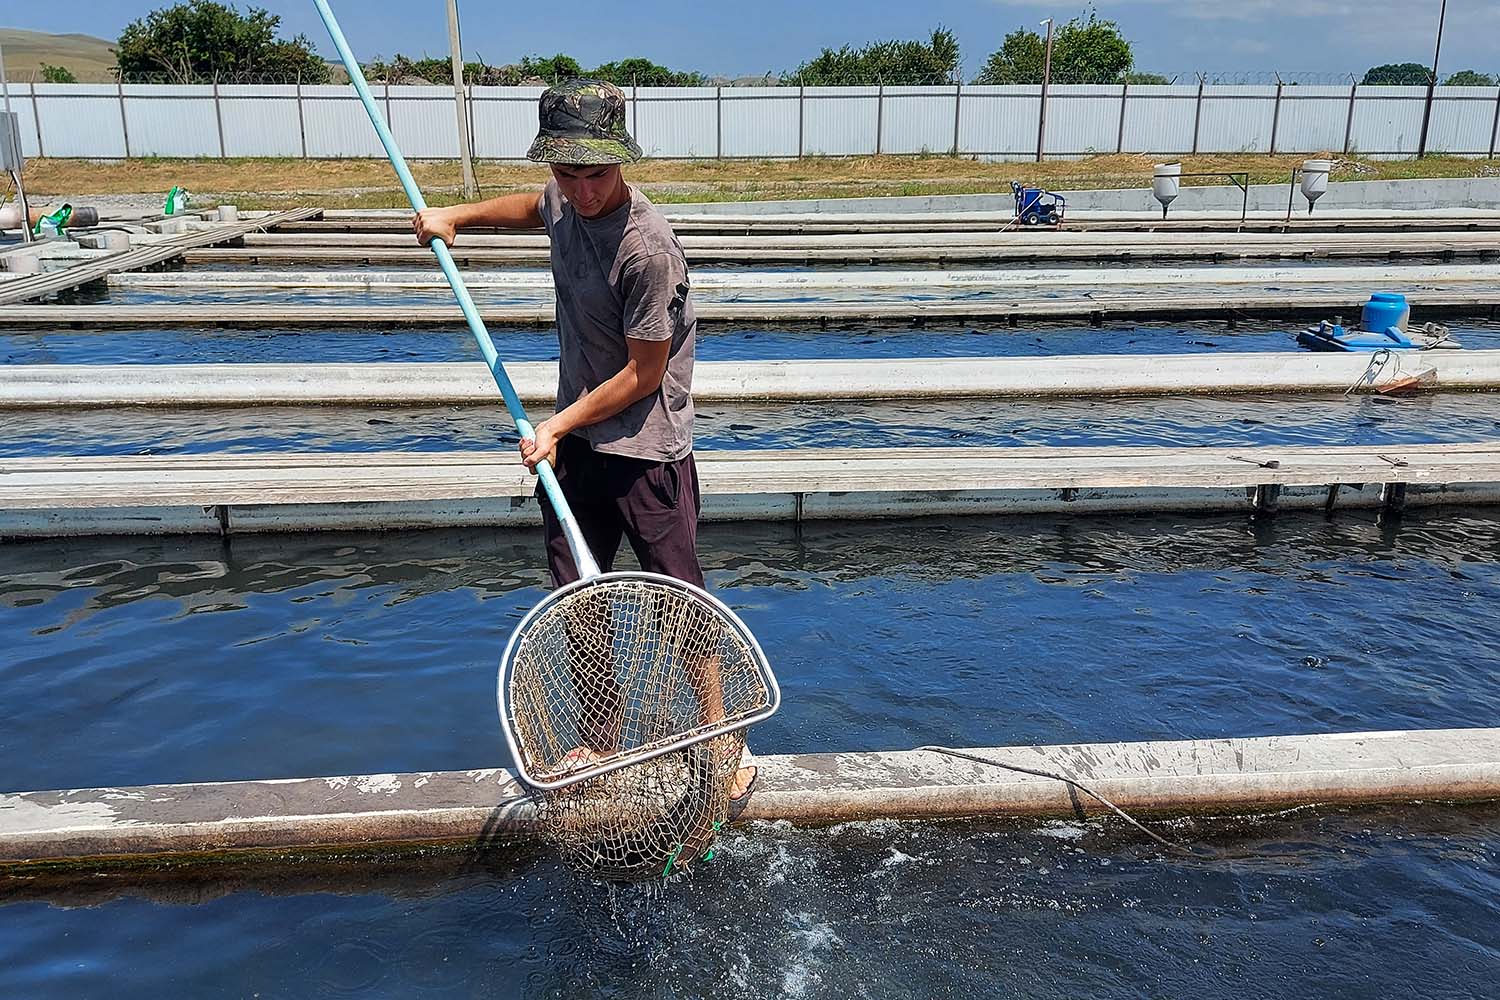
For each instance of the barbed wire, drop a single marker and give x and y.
(769, 79)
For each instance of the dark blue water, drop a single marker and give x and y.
(1191, 421)
(224, 346)
(133, 662)
(183, 659)
(1330, 906)
(353, 294)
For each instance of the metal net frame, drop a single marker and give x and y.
(624, 699)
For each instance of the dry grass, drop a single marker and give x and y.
(265, 183)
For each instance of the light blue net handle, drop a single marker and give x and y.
(582, 558)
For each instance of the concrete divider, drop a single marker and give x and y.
(387, 384)
(49, 829)
(846, 279)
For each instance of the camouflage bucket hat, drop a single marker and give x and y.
(583, 121)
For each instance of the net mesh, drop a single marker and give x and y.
(610, 672)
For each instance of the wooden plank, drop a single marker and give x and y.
(835, 241)
(469, 256)
(275, 478)
(52, 282)
(1433, 302)
(773, 225)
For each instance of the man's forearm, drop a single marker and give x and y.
(508, 211)
(611, 397)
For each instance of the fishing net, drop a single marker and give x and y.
(625, 698)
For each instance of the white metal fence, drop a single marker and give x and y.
(112, 121)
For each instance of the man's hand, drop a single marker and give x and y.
(542, 447)
(435, 223)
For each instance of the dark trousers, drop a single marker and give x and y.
(654, 505)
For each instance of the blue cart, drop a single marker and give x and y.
(1036, 207)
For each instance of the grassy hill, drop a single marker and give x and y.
(90, 59)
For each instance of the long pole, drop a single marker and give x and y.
(465, 150)
(1041, 121)
(1432, 80)
(582, 558)
(20, 188)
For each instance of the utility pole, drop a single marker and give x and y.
(460, 100)
(1041, 123)
(1432, 81)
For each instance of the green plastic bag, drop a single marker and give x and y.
(54, 223)
(177, 201)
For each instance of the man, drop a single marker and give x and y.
(621, 440)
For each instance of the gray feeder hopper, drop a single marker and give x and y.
(10, 142)
(1315, 180)
(1165, 183)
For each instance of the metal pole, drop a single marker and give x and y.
(1349, 122)
(1041, 118)
(1276, 114)
(1432, 81)
(718, 123)
(465, 149)
(124, 125)
(1495, 125)
(36, 119)
(1120, 141)
(469, 94)
(635, 118)
(801, 113)
(958, 96)
(1291, 192)
(21, 201)
(219, 117)
(301, 120)
(879, 116)
(1197, 114)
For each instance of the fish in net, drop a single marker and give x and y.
(625, 699)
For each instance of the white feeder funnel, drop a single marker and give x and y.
(1315, 180)
(1165, 184)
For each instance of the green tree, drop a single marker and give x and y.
(1397, 75)
(1470, 78)
(895, 63)
(1147, 79)
(200, 40)
(57, 74)
(1085, 50)
(637, 72)
(554, 68)
(1018, 60)
(1090, 51)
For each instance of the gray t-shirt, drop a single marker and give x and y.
(622, 275)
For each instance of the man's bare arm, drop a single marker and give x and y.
(509, 211)
(644, 369)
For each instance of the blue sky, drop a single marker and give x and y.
(1172, 36)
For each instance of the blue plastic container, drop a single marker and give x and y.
(1383, 311)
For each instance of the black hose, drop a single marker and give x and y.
(1072, 783)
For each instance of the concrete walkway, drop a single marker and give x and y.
(420, 383)
(487, 807)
